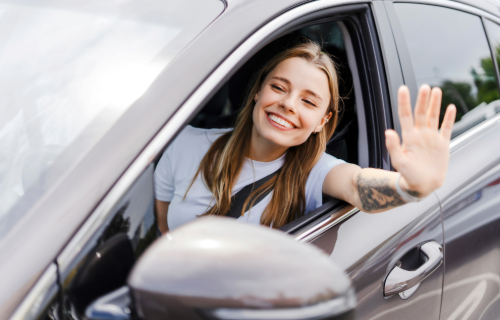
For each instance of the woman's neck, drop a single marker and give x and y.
(263, 150)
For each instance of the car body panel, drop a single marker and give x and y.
(369, 259)
(471, 205)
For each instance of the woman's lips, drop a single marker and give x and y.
(278, 125)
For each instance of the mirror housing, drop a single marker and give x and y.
(220, 268)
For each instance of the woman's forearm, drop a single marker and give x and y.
(375, 190)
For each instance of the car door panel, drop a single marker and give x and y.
(470, 199)
(368, 246)
(468, 196)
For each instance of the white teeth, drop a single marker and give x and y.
(281, 121)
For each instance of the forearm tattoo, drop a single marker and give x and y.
(377, 193)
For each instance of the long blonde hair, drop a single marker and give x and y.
(222, 163)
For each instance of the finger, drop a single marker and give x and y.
(448, 121)
(404, 109)
(434, 108)
(394, 147)
(421, 106)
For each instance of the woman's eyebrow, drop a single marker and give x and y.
(312, 93)
(282, 79)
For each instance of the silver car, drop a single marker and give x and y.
(93, 91)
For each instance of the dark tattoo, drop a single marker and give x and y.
(377, 193)
(413, 193)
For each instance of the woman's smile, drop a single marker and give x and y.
(280, 122)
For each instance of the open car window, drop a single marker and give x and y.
(220, 112)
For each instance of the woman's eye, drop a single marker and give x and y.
(277, 88)
(310, 103)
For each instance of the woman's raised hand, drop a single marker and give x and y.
(422, 158)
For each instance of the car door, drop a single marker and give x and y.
(370, 247)
(470, 196)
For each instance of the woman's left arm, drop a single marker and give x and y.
(422, 159)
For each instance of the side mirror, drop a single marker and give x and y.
(219, 268)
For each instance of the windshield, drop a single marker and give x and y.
(69, 70)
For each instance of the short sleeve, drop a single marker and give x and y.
(163, 177)
(314, 184)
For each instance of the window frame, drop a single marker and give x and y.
(407, 67)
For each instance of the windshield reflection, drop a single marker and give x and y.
(68, 71)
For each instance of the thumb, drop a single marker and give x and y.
(394, 147)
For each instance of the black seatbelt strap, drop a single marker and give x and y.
(241, 196)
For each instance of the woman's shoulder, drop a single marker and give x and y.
(328, 159)
(189, 147)
(325, 163)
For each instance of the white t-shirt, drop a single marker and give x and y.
(181, 160)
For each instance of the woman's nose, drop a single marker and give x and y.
(288, 104)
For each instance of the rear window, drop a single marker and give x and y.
(69, 69)
(449, 49)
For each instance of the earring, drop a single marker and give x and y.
(327, 120)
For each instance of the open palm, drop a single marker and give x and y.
(422, 158)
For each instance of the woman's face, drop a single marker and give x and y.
(292, 103)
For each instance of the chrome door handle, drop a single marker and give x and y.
(399, 280)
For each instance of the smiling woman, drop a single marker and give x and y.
(276, 152)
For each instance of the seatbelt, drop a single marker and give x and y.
(241, 196)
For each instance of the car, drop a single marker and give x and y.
(93, 92)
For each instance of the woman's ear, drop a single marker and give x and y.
(324, 120)
(329, 116)
(256, 97)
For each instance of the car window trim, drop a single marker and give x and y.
(403, 54)
(477, 130)
(492, 50)
(180, 117)
(29, 307)
(320, 227)
(454, 5)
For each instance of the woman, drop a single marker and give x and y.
(283, 128)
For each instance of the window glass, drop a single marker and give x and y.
(449, 49)
(69, 69)
(104, 262)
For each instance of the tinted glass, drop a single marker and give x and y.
(69, 69)
(449, 49)
(104, 262)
